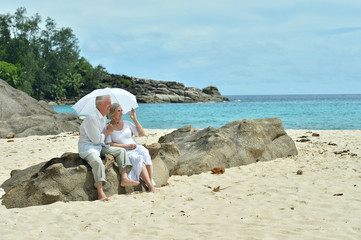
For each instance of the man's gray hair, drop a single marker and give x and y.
(99, 99)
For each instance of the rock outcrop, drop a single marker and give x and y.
(151, 91)
(167, 154)
(69, 178)
(237, 143)
(24, 116)
(185, 151)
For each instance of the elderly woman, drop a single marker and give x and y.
(122, 137)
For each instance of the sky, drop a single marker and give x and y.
(242, 47)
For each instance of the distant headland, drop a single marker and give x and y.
(153, 91)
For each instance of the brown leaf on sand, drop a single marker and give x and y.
(338, 194)
(218, 170)
(12, 140)
(216, 189)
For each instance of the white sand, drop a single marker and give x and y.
(265, 200)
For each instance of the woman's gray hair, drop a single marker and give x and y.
(112, 110)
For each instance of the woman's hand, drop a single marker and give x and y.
(140, 129)
(133, 115)
(131, 146)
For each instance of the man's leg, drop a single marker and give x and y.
(98, 170)
(101, 194)
(121, 157)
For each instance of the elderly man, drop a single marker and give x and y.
(91, 145)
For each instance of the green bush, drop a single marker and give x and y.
(9, 73)
(127, 82)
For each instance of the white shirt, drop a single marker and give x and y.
(124, 136)
(91, 137)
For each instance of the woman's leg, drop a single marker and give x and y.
(150, 171)
(147, 161)
(144, 174)
(123, 162)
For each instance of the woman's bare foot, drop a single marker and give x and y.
(126, 182)
(152, 189)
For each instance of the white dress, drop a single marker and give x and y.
(137, 156)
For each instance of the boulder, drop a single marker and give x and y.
(237, 143)
(10, 135)
(211, 90)
(24, 116)
(168, 153)
(69, 178)
(51, 103)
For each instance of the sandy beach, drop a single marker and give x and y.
(265, 200)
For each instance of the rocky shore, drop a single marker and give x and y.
(153, 91)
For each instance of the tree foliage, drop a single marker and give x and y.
(44, 63)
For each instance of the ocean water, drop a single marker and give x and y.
(316, 112)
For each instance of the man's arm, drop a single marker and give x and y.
(93, 133)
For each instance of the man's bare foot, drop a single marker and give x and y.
(126, 182)
(102, 196)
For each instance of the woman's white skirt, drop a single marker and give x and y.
(137, 157)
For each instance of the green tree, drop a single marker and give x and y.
(91, 76)
(47, 60)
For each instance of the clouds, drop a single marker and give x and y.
(242, 47)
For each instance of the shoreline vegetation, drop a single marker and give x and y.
(255, 201)
(46, 64)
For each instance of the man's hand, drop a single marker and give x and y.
(109, 130)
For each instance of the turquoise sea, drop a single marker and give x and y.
(314, 112)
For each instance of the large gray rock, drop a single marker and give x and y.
(60, 179)
(69, 178)
(168, 155)
(24, 116)
(237, 143)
